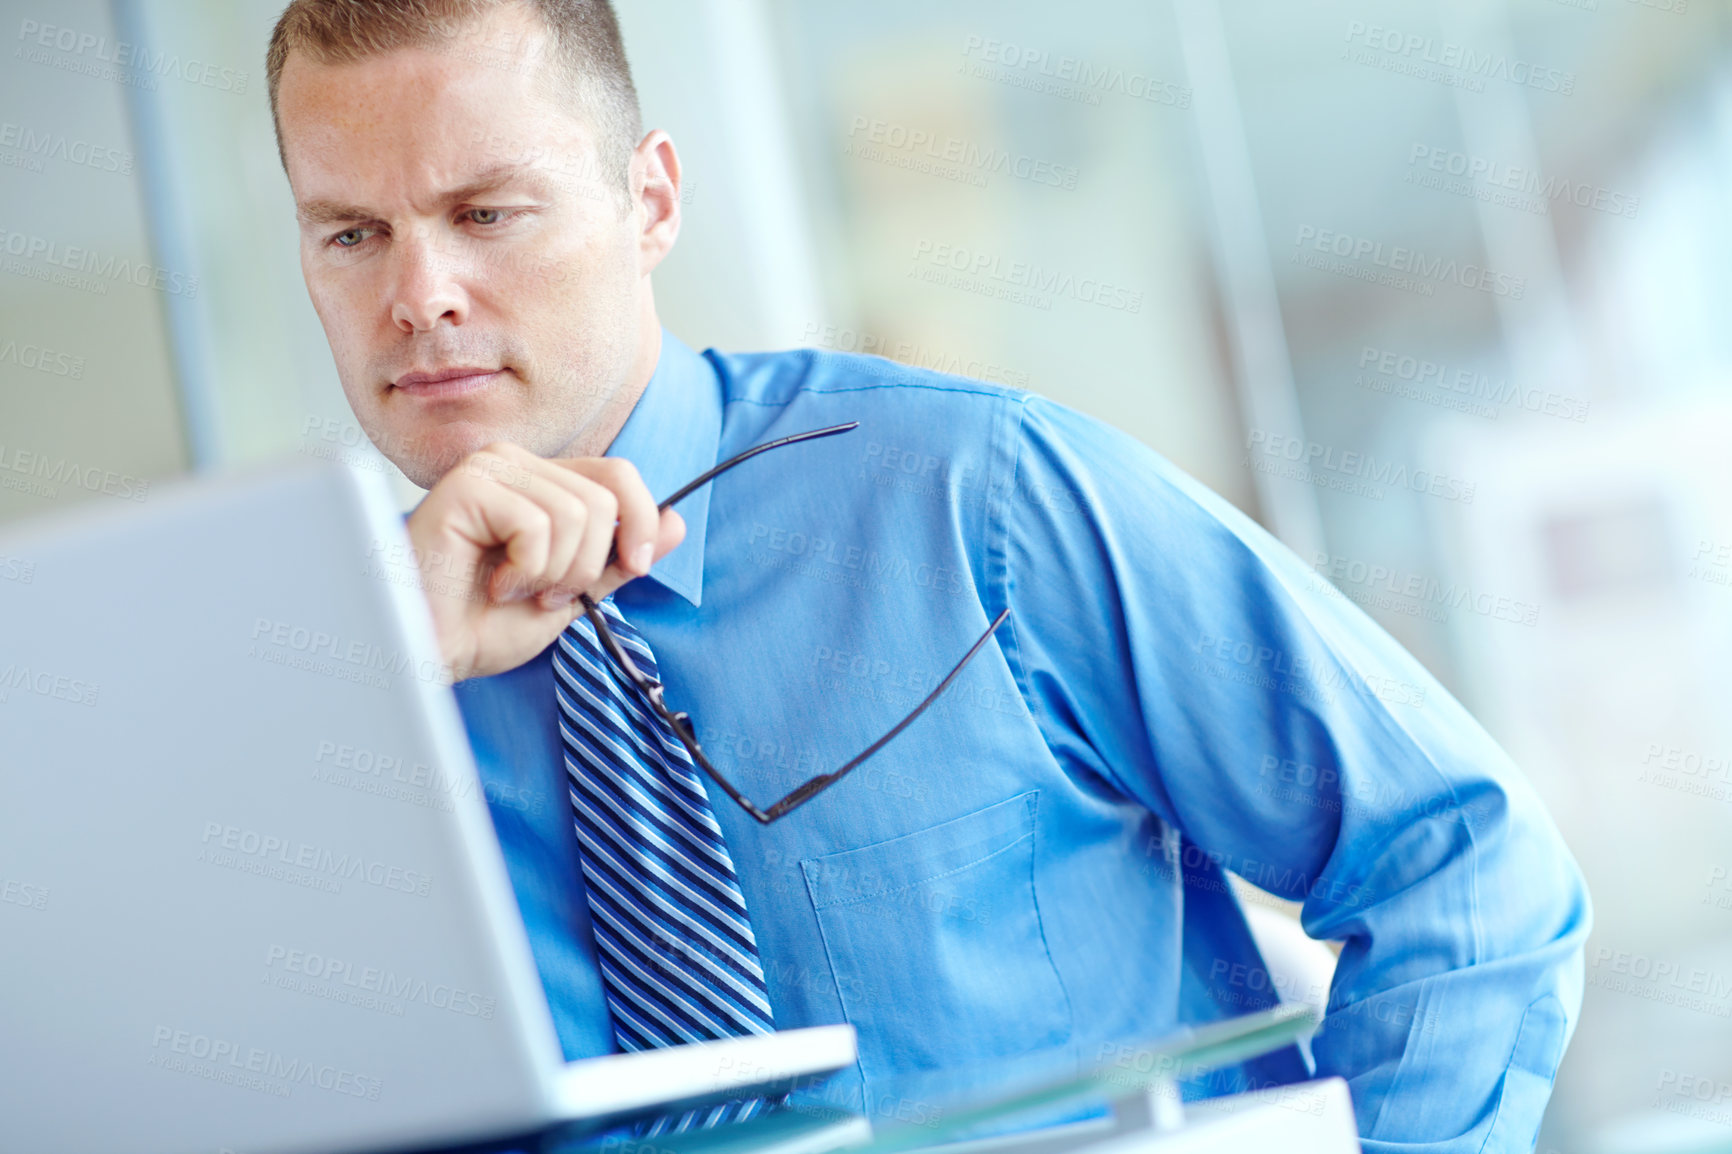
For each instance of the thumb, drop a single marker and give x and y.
(669, 533)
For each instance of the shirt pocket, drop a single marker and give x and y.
(936, 944)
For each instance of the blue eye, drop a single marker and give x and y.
(350, 238)
(486, 215)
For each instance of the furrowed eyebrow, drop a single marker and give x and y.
(326, 212)
(323, 212)
(491, 179)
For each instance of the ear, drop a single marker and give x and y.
(655, 193)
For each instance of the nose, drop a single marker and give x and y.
(428, 287)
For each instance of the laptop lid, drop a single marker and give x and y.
(253, 898)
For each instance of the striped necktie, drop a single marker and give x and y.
(678, 959)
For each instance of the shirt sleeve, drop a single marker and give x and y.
(1170, 646)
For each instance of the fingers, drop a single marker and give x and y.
(638, 517)
(464, 521)
(670, 531)
(490, 502)
(603, 528)
(580, 518)
(619, 541)
(616, 498)
(555, 523)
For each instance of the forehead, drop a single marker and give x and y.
(423, 118)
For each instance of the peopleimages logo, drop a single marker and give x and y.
(90, 50)
(1710, 563)
(917, 146)
(1466, 383)
(331, 978)
(357, 660)
(223, 1060)
(27, 141)
(839, 562)
(912, 354)
(228, 845)
(17, 678)
(109, 267)
(1661, 980)
(1357, 472)
(41, 359)
(1398, 259)
(1020, 282)
(1512, 185)
(1416, 594)
(1300, 674)
(50, 473)
(1417, 49)
(17, 893)
(1068, 76)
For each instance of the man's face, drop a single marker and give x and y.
(474, 263)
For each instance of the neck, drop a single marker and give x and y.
(598, 433)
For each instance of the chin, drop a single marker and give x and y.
(426, 459)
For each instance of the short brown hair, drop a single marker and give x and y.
(585, 37)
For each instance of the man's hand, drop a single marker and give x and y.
(517, 538)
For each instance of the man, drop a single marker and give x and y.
(1034, 873)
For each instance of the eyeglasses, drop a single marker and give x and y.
(681, 722)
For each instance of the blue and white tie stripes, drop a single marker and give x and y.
(678, 959)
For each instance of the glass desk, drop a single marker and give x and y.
(1127, 1102)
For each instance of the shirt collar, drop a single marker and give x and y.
(672, 435)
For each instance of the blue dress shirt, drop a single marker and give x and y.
(1034, 874)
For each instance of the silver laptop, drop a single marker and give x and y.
(250, 894)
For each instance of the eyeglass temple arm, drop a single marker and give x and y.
(709, 475)
(691, 487)
(805, 792)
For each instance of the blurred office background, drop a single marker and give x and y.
(1468, 262)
